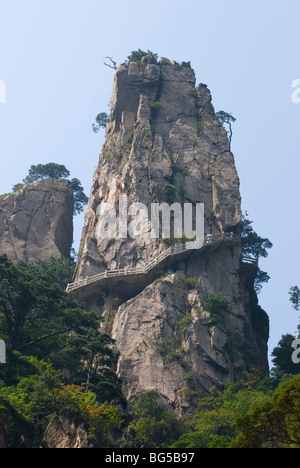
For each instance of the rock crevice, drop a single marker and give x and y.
(36, 223)
(164, 132)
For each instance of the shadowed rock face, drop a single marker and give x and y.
(3, 443)
(36, 223)
(164, 131)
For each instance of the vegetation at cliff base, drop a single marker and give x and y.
(273, 422)
(58, 362)
(59, 365)
(153, 426)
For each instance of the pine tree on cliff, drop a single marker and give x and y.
(56, 171)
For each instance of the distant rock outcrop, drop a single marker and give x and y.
(65, 432)
(36, 223)
(164, 133)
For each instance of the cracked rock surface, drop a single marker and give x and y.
(163, 132)
(36, 223)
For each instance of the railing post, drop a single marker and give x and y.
(209, 239)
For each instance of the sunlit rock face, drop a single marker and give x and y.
(164, 132)
(36, 223)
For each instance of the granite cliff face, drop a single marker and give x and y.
(36, 223)
(164, 133)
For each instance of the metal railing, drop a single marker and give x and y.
(177, 249)
(250, 260)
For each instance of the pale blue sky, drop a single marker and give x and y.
(51, 54)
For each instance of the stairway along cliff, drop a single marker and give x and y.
(192, 320)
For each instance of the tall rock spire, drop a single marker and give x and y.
(164, 143)
(163, 132)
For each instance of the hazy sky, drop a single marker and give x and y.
(51, 61)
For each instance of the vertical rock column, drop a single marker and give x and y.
(36, 223)
(164, 133)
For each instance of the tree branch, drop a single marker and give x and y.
(43, 338)
(112, 65)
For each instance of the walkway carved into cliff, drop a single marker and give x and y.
(174, 253)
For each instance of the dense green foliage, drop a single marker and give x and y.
(57, 360)
(137, 55)
(273, 422)
(153, 426)
(101, 121)
(252, 243)
(59, 363)
(282, 358)
(46, 171)
(295, 297)
(217, 305)
(245, 414)
(79, 197)
(255, 246)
